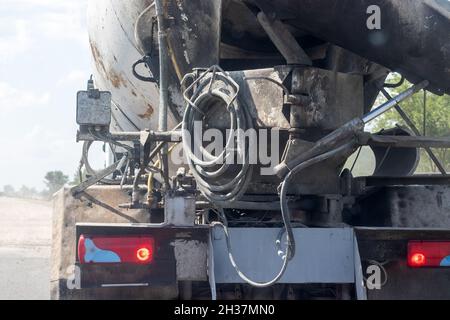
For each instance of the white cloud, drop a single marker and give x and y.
(75, 77)
(21, 21)
(73, 7)
(38, 82)
(13, 98)
(16, 41)
(63, 25)
(51, 144)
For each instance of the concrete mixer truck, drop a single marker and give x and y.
(227, 125)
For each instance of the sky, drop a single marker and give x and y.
(44, 60)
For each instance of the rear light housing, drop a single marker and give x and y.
(428, 254)
(116, 249)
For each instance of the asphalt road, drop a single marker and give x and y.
(25, 239)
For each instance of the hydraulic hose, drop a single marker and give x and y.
(285, 186)
(290, 249)
(240, 273)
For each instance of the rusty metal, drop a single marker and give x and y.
(111, 29)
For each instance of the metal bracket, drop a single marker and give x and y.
(283, 39)
(97, 178)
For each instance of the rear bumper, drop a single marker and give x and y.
(326, 256)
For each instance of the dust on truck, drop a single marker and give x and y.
(293, 81)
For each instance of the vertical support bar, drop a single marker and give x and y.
(211, 269)
(361, 293)
(163, 82)
(424, 113)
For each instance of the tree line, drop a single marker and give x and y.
(53, 180)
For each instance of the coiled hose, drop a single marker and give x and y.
(211, 171)
(208, 177)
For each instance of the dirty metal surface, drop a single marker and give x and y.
(99, 204)
(94, 111)
(414, 206)
(413, 38)
(193, 38)
(322, 256)
(333, 98)
(429, 180)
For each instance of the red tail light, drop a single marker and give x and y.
(114, 249)
(143, 254)
(417, 260)
(429, 254)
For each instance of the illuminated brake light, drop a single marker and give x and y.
(143, 254)
(429, 254)
(114, 249)
(417, 260)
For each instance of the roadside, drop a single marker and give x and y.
(25, 240)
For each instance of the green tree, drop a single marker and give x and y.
(431, 118)
(55, 180)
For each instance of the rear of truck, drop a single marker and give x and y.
(228, 125)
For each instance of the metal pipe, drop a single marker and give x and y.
(302, 204)
(284, 40)
(163, 81)
(416, 131)
(98, 177)
(403, 141)
(169, 136)
(345, 133)
(395, 101)
(126, 136)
